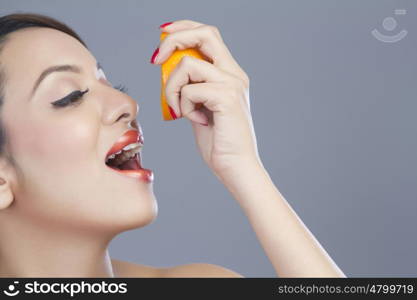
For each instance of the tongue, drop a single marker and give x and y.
(131, 164)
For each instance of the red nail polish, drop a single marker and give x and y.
(155, 53)
(165, 24)
(172, 112)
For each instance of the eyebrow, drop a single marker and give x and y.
(60, 68)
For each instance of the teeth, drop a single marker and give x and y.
(131, 146)
(118, 159)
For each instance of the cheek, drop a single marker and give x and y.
(67, 144)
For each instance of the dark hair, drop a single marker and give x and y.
(14, 22)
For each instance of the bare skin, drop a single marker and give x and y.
(53, 224)
(60, 206)
(203, 270)
(228, 146)
(129, 269)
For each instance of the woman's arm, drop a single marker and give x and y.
(289, 245)
(225, 138)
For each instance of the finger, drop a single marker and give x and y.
(215, 97)
(180, 25)
(194, 70)
(205, 93)
(203, 134)
(207, 40)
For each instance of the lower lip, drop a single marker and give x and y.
(145, 175)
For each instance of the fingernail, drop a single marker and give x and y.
(165, 24)
(172, 112)
(155, 53)
(205, 124)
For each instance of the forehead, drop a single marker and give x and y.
(29, 51)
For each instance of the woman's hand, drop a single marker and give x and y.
(228, 146)
(228, 143)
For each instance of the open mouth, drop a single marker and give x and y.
(126, 159)
(132, 167)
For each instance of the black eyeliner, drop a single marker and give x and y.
(69, 99)
(75, 96)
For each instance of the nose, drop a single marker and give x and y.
(119, 107)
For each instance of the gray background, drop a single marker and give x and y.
(334, 112)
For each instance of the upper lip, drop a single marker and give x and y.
(129, 137)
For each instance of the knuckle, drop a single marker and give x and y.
(186, 60)
(246, 80)
(236, 92)
(232, 93)
(185, 91)
(239, 83)
(242, 80)
(212, 30)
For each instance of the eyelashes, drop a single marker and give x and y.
(69, 99)
(121, 88)
(75, 97)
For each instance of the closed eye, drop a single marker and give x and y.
(72, 98)
(76, 96)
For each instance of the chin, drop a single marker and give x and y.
(135, 213)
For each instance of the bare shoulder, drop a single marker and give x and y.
(196, 270)
(128, 269)
(192, 270)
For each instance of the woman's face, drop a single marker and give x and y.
(61, 179)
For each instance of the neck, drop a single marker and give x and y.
(28, 250)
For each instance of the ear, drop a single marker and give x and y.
(6, 191)
(6, 195)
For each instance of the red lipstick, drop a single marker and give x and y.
(134, 166)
